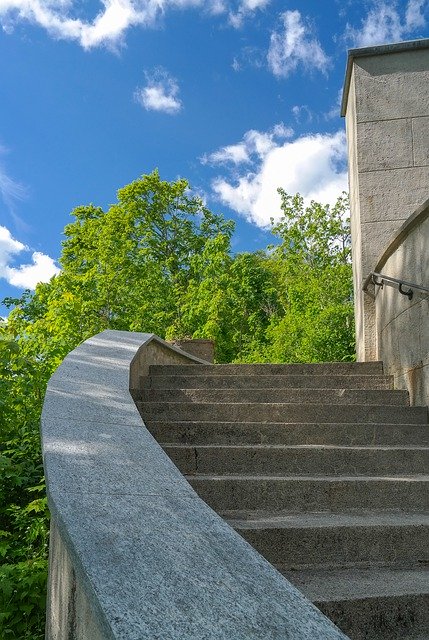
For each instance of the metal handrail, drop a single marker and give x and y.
(380, 279)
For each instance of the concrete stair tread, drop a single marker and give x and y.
(256, 423)
(282, 412)
(327, 519)
(299, 460)
(321, 585)
(289, 381)
(335, 433)
(273, 395)
(341, 478)
(294, 447)
(356, 368)
(323, 468)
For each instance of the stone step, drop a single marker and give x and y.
(372, 603)
(264, 494)
(329, 482)
(324, 368)
(194, 433)
(318, 397)
(281, 412)
(311, 460)
(329, 540)
(291, 381)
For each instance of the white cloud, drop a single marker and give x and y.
(254, 57)
(41, 269)
(302, 113)
(245, 8)
(25, 276)
(384, 23)
(108, 26)
(8, 247)
(313, 165)
(61, 19)
(414, 14)
(294, 45)
(160, 93)
(255, 144)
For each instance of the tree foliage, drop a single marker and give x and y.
(23, 508)
(312, 267)
(156, 261)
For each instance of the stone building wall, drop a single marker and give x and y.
(386, 105)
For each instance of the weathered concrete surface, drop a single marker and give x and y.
(291, 460)
(322, 508)
(197, 347)
(355, 433)
(402, 328)
(136, 554)
(318, 396)
(273, 381)
(405, 590)
(280, 412)
(314, 369)
(297, 541)
(386, 104)
(312, 493)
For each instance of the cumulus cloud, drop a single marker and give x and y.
(60, 21)
(161, 93)
(62, 18)
(386, 23)
(24, 276)
(293, 46)
(27, 276)
(254, 144)
(313, 165)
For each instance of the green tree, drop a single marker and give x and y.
(159, 261)
(23, 508)
(229, 299)
(124, 268)
(312, 268)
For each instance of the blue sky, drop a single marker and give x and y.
(238, 96)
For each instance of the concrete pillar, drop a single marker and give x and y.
(386, 106)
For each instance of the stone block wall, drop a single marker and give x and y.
(200, 348)
(386, 105)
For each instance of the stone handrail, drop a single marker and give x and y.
(135, 554)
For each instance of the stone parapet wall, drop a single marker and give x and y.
(402, 325)
(197, 347)
(135, 554)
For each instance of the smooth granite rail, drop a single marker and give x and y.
(135, 553)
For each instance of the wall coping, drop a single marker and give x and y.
(395, 47)
(413, 221)
(153, 559)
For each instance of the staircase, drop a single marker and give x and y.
(323, 468)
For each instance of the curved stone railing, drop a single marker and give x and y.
(135, 554)
(402, 325)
